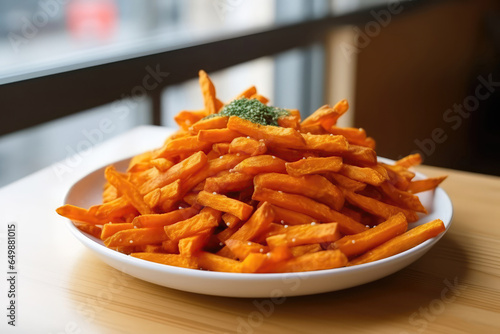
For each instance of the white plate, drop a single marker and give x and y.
(88, 190)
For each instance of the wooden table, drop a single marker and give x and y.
(63, 288)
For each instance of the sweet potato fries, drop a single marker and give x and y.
(229, 192)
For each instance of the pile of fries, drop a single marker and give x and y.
(227, 194)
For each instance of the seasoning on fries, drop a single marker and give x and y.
(249, 188)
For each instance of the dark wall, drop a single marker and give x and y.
(420, 66)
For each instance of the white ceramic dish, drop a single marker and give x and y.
(87, 191)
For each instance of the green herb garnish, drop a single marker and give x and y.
(252, 110)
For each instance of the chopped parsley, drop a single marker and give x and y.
(252, 110)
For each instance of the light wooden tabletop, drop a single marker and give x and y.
(63, 288)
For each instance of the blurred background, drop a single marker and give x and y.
(420, 76)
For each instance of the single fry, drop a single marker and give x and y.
(261, 164)
(216, 262)
(347, 183)
(116, 208)
(313, 129)
(291, 121)
(424, 185)
(164, 219)
(290, 217)
(309, 234)
(170, 246)
(139, 167)
(313, 186)
(360, 243)
(402, 198)
(326, 115)
(161, 164)
(247, 146)
(279, 249)
(130, 192)
(190, 198)
(168, 259)
(378, 208)
(230, 220)
(271, 230)
(400, 170)
(293, 202)
(253, 262)
(250, 91)
(183, 145)
(290, 155)
(191, 245)
(149, 249)
(260, 98)
(213, 167)
(350, 212)
(241, 249)
(410, 160)
(207, 219)
(326, 143)
(208, 92)
(321, 260)
(226, 181)
(109, 193)
(225, 204)
(110, 229)
(314, 166)
(217, 135)
(221, 148)
(360, 156)
(187, 118)
(257, 224)
(347, 225)
(362, 174)
(356, 136)
(209, 124)
(78, 214)
(136, 237)
(93, 230)
(138, 178)
(233, 224)
(305, 249)
(403, 242)
(272, 135)
(181, 170)
(396, 178)
(139, 159)
(158, 196)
